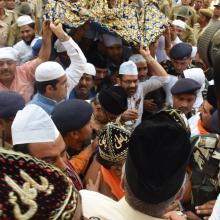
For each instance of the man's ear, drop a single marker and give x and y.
(49, 89)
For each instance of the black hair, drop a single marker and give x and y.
(41, 86)
(23, 148)
(32, 25)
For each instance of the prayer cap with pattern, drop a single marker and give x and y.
(32, 189)
(113, 143)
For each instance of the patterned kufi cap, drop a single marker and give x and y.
(113, 143)
(33, 189)
(179, 117)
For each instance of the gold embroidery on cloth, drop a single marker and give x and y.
(27, 194)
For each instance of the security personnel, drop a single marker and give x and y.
(188, 11)
(180, 59)
(204, 17)
(166, 7)
(22, 9)
(7, 18)
(10, 103)
(188, 16)
(184, 94)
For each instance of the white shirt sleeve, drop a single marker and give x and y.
(216, 211)
(78, 60)
(153, 83)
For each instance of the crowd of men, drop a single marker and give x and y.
(93, 128)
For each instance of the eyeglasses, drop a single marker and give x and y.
(129, 82)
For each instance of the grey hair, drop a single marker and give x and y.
(154, 210)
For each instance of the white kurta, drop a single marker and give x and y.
(76, 69)
(135, 102)
(24, 50)
(97, 205)
(216, 211)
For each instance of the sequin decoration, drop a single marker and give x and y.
(136, 26)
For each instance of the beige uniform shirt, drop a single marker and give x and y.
(5, 22)
(4, 30)
(166, 7)
(189, 36)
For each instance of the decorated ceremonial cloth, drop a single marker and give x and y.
(33, 189)
(135, 25)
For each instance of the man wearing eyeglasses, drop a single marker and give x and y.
(136, 91)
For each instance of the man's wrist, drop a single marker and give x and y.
(149, 59)
(64, 37)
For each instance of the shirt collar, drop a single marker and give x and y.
(129, 213)
(46, 100)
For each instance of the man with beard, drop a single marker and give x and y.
(84, 89)
(136, 91)
(24, 47)
(21, 78)
(154, 100)
(184, 94)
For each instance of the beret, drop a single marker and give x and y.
(181, 51)
(206, 12)
(10, 103)
(24, 9)
(113, 99)
(184, 12)
(71, 115)
(156, 163)
(186, 85)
